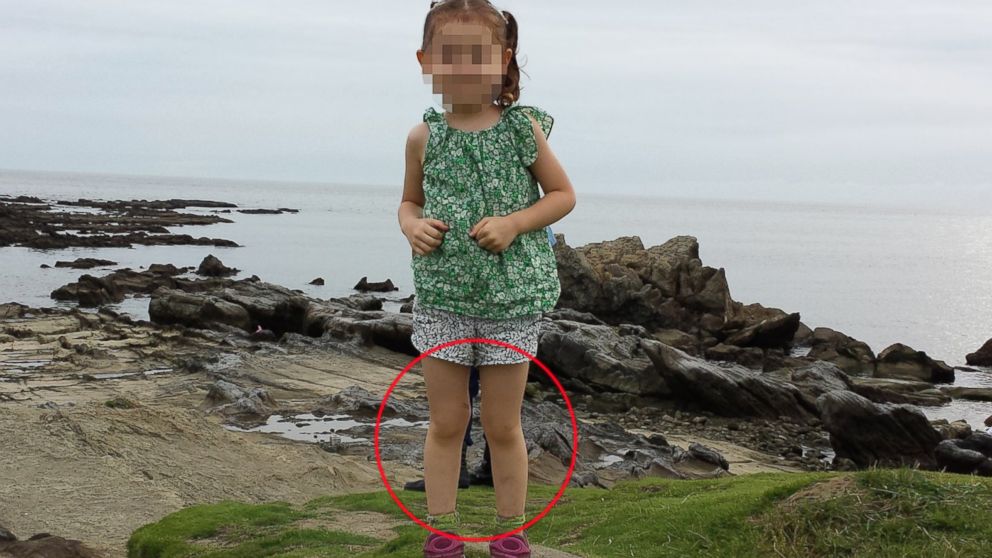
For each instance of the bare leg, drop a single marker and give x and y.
(502, 387)
(447, 397)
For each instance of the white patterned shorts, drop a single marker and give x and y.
(434, 326)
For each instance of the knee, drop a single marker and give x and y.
(501, 429)
(451, 422)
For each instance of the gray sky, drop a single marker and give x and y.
(886, 100)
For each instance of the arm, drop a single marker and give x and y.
(412, 204)
(559, 196)
(424, 235)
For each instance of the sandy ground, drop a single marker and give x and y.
(95, 473)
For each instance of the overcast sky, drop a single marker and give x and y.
(825, 101)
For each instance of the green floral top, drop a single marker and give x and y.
(471, 175)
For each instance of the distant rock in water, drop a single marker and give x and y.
(904, 362)
(212, 267)
(384, 286)
(981, 357)
(317, 281)
(84, 263)
(268, 211)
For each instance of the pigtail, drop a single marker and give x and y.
(511, 81)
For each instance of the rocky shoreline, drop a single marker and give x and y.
(249, 390)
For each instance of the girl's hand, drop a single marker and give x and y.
(494, 233)
(425, 235)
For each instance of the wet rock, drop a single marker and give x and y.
(213, 267)
(317, 281)
(852, 356)
(253, 402)
(981, 357)
(886, 434)
(904, 362)
(727, 390)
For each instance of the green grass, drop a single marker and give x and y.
(880, 513)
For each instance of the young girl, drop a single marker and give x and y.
(482, 264)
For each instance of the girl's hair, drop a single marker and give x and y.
(501, 22)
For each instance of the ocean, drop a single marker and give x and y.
(879, 274)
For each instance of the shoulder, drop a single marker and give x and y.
(418, 134)
(532, 118)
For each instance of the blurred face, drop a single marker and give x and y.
(465, 64)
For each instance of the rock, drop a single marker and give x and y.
(956, 459)
(317, 281)
(901, 361)
(852, 356)
(85, 263)
(968, 392)
(43, 545)
(768, 333)
(243, 304)
(978, 441)
(708, 455)
(730, 390)
(359, 319)
(662, 287)
(117, 224)
(890, 390)
(594, 358)
(254, 402)
(959, 429)
(384, 286)
(90, 291)
(212, 267)
(981, 357)
(886, 434)
(678, 339)
(821, 377)
(748, 356)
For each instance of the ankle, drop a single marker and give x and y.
(447, 522)
(510, 523)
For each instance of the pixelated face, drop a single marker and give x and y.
(465, 64)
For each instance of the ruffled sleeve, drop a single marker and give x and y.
(522, 130)
(438, 130)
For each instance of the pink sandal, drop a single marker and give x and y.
(514, 546)
(439, 546)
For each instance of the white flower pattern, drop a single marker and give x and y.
(471, 175)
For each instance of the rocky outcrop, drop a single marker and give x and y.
(901, 361)
(243, 305)
(886, 434)
(732, 390)
(32, 222)
(981, 357)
